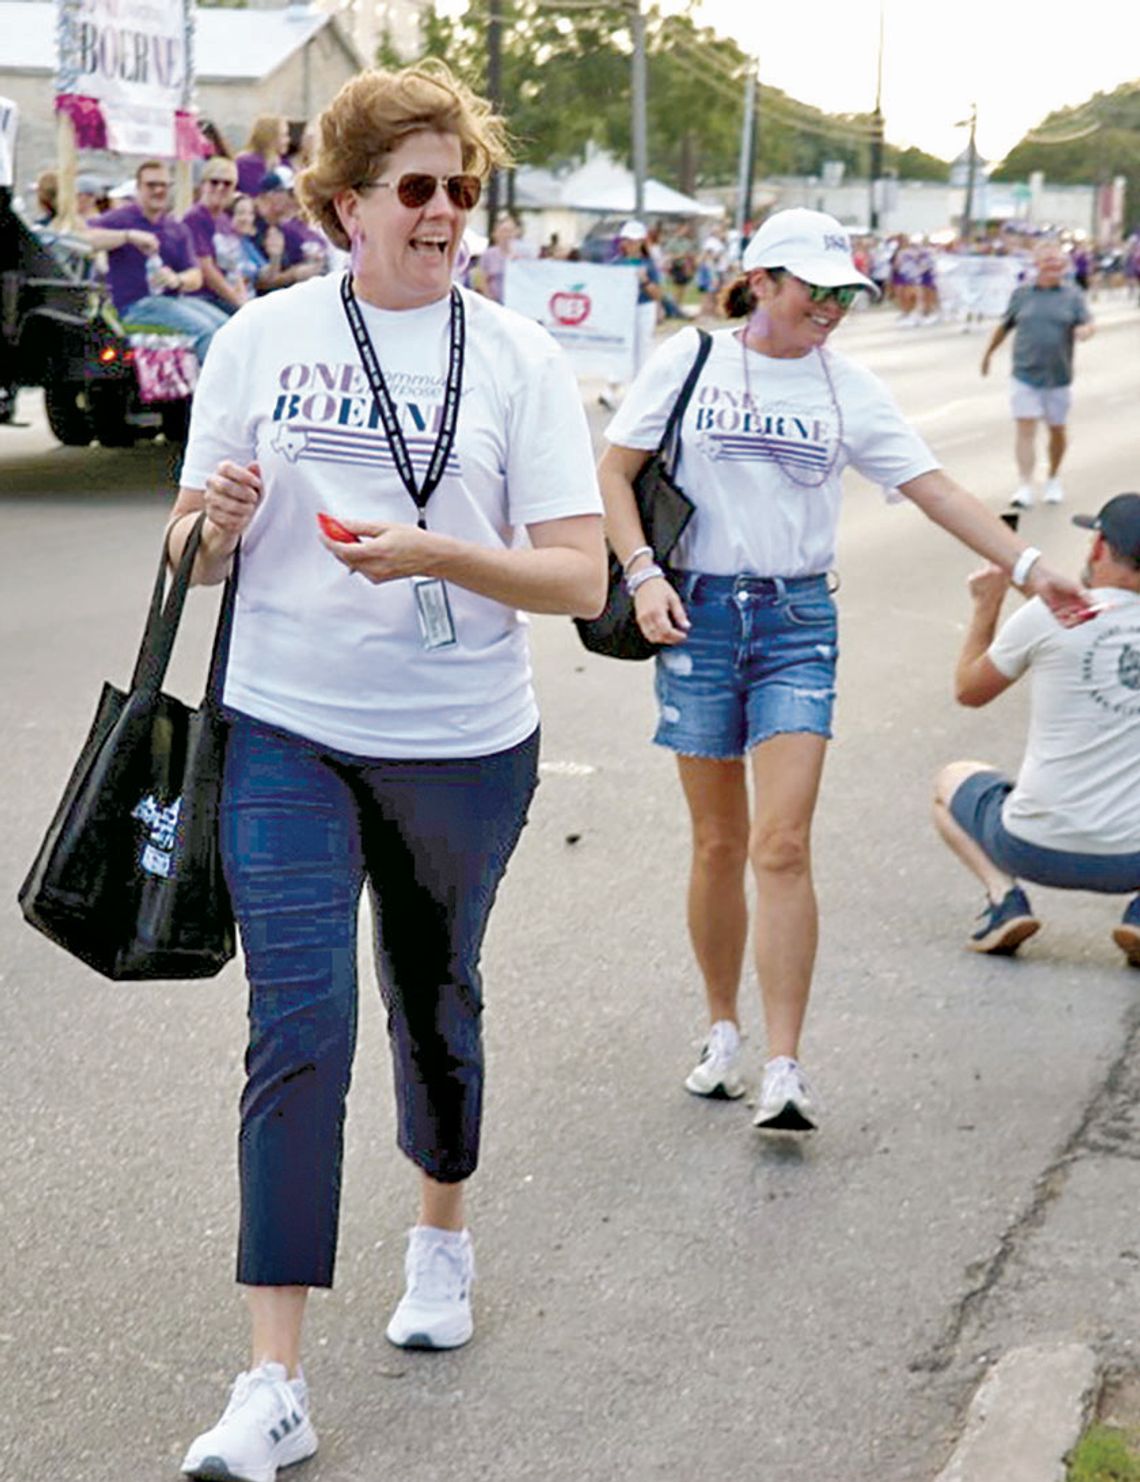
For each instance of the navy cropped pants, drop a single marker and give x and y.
(303, 828)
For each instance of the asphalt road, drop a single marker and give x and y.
(660, 1296)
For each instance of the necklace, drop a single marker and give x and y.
(771, 446)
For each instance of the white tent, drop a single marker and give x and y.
(603, 186)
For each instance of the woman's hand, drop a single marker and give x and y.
(660, 612)
(387, 552)
(1066, 599)
(231, 496)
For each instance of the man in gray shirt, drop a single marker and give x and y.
(1070, 820)
(1047, 317)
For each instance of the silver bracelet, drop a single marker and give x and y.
(639, 578)
(1024, 565)
(642, 550)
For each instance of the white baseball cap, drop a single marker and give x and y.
(810, 244)
(633, 231)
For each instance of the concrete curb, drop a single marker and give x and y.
(1026, 1415)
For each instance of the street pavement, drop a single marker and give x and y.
(661, 1296)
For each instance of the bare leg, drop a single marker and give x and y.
(1023, 447)
(1057, 443)
(717, 795)
(786, 771)
(441, 1205)
(996, 882)
(277, 1314)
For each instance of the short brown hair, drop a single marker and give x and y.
(370, 116)
(152, 165)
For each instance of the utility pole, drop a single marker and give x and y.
(747, 155)
(876, 171)
(495, 94)
(638, 88)
(971, 169)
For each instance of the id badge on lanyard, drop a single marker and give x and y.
(437, 630)
(433, 609)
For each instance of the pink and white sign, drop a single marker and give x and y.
(126, 63)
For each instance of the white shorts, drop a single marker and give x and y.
(1050, 403)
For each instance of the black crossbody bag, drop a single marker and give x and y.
(665, 511)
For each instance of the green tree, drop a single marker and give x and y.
(566, 84)
(1087, 145)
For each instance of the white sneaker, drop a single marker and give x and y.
(931, 319)
(786, 1101)
(1053, 494)
(910, 321)
(435, 1311)
(264, 1426)
(1022, 496)
(716, 1073)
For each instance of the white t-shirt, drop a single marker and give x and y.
(1080, 778)
(751, 515)
(326, 654)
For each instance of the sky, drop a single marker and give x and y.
(1017, 60)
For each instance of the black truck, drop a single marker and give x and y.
(59, 331)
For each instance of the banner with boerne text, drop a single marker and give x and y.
(589, 308)
(131, 57)
(9, 120)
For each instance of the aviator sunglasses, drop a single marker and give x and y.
(414, 190)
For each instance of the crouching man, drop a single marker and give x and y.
(1071, 820)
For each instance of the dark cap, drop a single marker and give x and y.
(1119, 523)
(275, 180)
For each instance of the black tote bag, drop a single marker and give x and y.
(129, 875)
(665, 511)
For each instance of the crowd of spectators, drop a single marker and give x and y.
(245, 236)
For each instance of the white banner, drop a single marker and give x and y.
(976, 285)
(9, 119)
(589, 308)
(131, 56)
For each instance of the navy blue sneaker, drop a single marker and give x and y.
(1127, 934)
(1005, 926)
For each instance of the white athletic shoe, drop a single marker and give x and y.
(1022, 496)
(786, 1101)
(435, 1311)
(1053, 494)
(716, 1074)
(264, 1426)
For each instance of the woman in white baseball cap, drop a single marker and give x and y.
(632, 251)
(746, 621)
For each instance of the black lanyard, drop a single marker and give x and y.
(385, 406)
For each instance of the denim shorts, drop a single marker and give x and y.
(976, 807)
(759, 661)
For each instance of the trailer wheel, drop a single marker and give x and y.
(110, 403)
(175, 420)
(67, 413)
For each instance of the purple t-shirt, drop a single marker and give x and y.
(216, 237)
(252, 170)
(126, 265)
(302, 243)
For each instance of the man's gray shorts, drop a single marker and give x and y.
(976, 807)
(1040, 403)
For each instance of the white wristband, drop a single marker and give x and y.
(639, 578)
(1024, 565)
